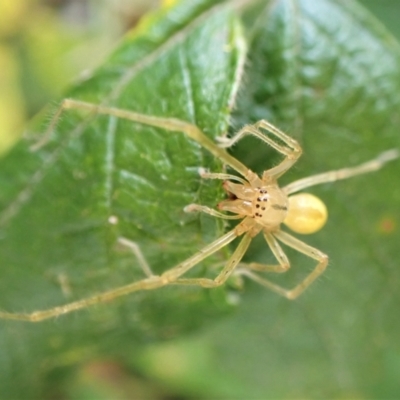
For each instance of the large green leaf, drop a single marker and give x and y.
(337, 93)
(56, 242)
(329, 74)
(326, 72)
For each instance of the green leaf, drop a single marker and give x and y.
(328, 74)
(56, 241)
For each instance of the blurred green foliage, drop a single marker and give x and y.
(329, 75)
(44, 44)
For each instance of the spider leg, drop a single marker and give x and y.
(302, 247)
(170, 124)
(149, 283)
(344, 173)
(226, 272)
(212, 175)
(283, 261)
(289, 147)
(209, 211)
(134, 247)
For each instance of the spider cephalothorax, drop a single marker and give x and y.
(267, 204)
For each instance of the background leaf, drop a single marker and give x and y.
(328, 74)
(313, 70)
(94, 168)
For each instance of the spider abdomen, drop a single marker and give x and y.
(307, 213)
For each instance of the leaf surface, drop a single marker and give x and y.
(328, 74)
(56, 240)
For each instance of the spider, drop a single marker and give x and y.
(258, 201)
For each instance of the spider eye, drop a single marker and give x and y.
(306, 214)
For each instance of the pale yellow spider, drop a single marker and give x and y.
(259, 202)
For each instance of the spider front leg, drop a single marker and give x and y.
(301, 247)
(169, 124)
(289, 147)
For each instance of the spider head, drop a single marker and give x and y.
(269, 206)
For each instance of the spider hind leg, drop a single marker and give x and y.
(301, 247)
